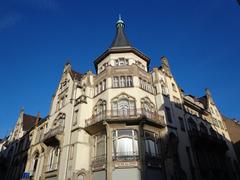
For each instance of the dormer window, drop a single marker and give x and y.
(121, 62)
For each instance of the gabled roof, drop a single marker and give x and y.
(75, 75)
(29, 121)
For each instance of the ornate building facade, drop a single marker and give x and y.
(124, 122)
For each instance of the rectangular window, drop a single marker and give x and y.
(129, 81)
(152, 144)
(100, 145)
(168, 114)
(75, 117)
(122, 81)
(100, 87)
(104, 85)
(181, 123)
(115, 81)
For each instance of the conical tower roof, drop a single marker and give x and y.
(120, 39)
(120, 44)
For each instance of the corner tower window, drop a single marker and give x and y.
(121, 62)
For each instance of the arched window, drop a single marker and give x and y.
(35, 162)
(192, 125)
(100, 109)
(123, 106)
(125, 144)
(203, 128)
(53, 159)
(147, 105)
(59, 121)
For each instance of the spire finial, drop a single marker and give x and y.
(119, 17)
(120, 22)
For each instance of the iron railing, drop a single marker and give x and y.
(126, 156)
(125, 114)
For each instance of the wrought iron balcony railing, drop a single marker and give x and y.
(125, 115)
(126, 156)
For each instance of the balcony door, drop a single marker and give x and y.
(123, 108)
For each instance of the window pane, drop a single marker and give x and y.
(100, 146)
(124, 132)
(125, 142)
(125, 146)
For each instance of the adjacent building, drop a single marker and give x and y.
(233, 127)
(124, 122)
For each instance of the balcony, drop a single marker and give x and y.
(128, 115)
(200, 138)
(99, 162)
(126, 156)
(51, 135)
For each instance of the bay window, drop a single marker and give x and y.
(125, 144)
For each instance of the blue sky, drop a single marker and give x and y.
(200, 38)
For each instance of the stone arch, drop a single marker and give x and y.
(82, 175)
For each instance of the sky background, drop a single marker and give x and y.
(37, 37)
